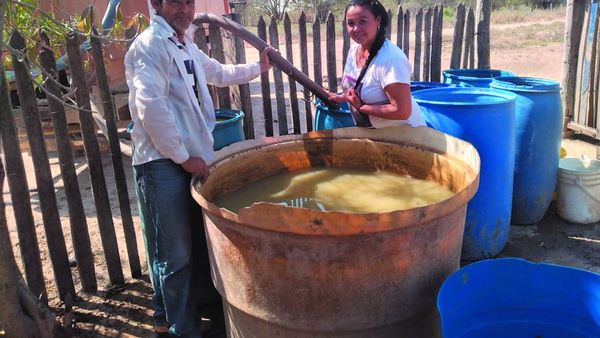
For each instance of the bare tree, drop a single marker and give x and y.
(21, 313)
(273, 8)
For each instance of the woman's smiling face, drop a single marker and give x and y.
(362, 25)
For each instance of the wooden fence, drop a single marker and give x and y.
(581, 82)
(427, 67)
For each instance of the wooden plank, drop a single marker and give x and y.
(573, 29)
(427, 45)
(287, 27)
(217, 52)
(94, 161)
(244, 88)
(457, 41)
(331, 54)
(418, 39)
(79, 228)
(469, 51)
(406, 30)
(116, 156)
(436, 44)
(43, 176)
(278, 79)
(399, 27)
(304, 61)
(20, 198)
(592, 132)
(265, 84)
(484, 8)
(318, 74)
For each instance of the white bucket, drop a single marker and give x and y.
(578, 190)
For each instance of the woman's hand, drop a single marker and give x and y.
(337, 98)
(353, 99)
(264, 62)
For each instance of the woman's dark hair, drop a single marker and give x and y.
(377, 9)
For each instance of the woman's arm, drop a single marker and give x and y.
(399, 108)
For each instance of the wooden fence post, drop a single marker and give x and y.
(94, 160)
(21, 200)
(388, 29)
(217, 52)
(330, 52)
(436, 44)
(43, 176)
(79, 229)
(345, 41)
(427, 53)
(278, 79)
(304, 61)
(244, 88)
(469, 51)
(406, 30)
(457, 41)
(287, 27)
(117, 160)
(400, 27)
(573, 29)
(318, 74)
(265, 85)
(417, 57)
(200, 40)
(483, 33)
(591, 108)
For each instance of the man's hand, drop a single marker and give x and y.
(264, 58)
(196, 165)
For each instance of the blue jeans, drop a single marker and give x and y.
(175, 246)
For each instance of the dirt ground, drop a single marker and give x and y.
(125, 311)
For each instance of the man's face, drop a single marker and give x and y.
(178, 13)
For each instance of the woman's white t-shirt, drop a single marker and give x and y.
(390, 65)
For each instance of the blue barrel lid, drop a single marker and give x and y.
(525, 84)
(476, 73)
(464, 96)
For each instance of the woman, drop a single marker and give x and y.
(376, 79)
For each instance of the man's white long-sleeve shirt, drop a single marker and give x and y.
(170, 119)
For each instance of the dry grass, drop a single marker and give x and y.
(528, 35)
(526, 14)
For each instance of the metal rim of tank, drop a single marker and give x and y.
(269, 216)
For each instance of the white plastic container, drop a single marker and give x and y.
(578, 190)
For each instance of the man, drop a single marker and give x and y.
(173, 118)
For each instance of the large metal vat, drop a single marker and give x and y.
(291, 272)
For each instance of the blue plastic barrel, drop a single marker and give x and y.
(538, 116)
(474, 77)
(486, 118)
(330, 118)
(511, 297)
(420, 85)
(229, 128)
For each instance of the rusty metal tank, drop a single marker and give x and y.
(292, 272)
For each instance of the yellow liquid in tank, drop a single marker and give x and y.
(339, 189)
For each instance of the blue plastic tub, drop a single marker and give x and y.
(486, 118)
(474, 77)
(329, 118)
(229, 128)
(511, 297)
(538, 125)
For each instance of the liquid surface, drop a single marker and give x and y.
(339, 189)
